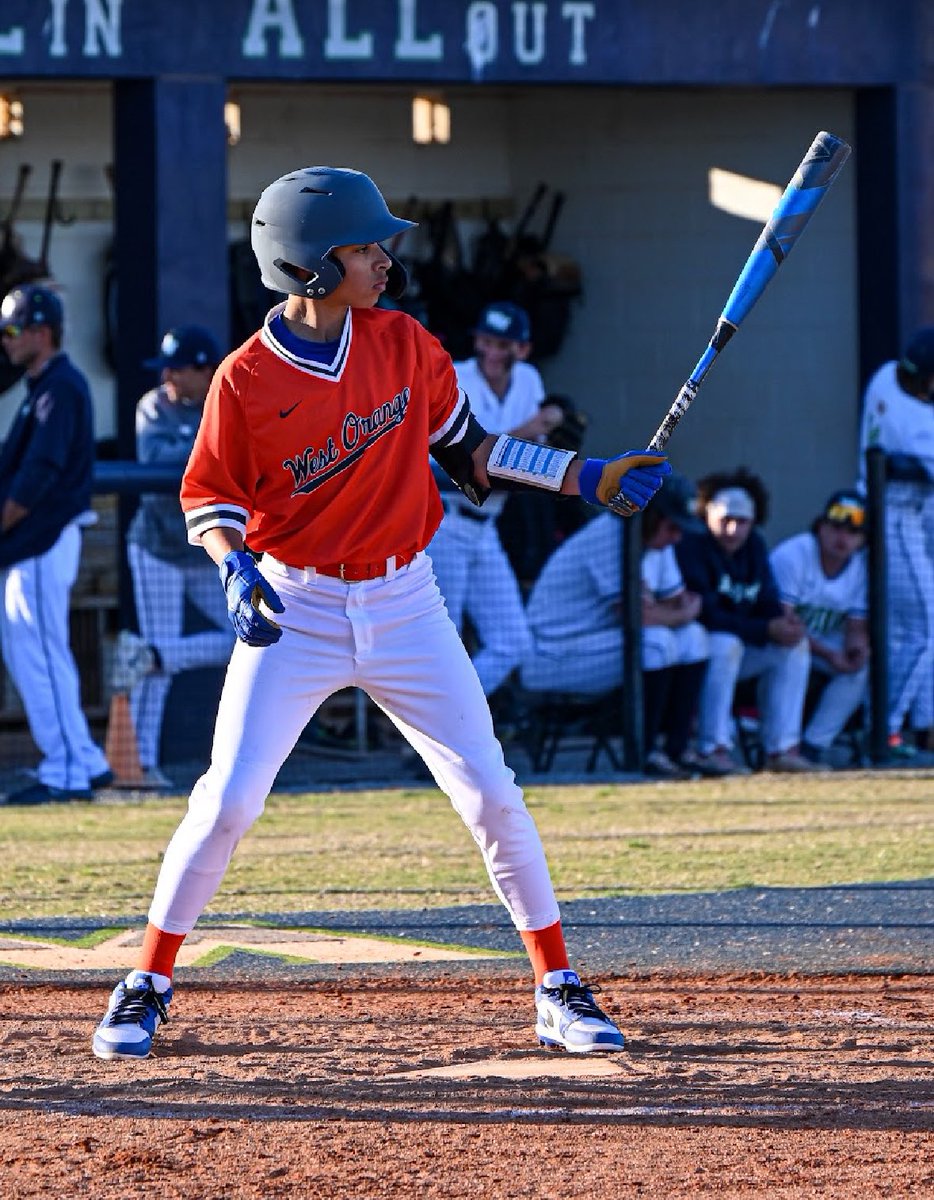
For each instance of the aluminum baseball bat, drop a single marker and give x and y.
(816, 172)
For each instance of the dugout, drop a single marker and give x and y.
(668, 128)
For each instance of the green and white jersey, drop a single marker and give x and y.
(822, 603)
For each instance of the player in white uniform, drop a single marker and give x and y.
(506, 395)
(822, 575)
(898, 416)
(574, 615)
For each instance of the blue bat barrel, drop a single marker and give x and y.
(816, 172)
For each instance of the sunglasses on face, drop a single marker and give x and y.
(844, 513)
(11, 331)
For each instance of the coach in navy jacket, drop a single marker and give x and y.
(752, 633)
(47, 460)
(45, 485)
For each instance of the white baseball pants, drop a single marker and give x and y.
(393, 638)
(783, 676)
(161, 589)
(592, 663)
(476, 578)
(838, 701)
(34, 633)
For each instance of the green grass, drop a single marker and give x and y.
(406, 848)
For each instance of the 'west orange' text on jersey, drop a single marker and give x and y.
(326, 463)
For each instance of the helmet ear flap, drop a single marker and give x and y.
(313, 283)
(397, 277)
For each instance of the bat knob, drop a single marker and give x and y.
(623, 505)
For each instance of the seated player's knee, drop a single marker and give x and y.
(797, 657)
(726, 651)
(693, 643)
(659, 648)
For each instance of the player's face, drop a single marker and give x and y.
(839, 541)
(495, 354)
(366, 269)
(667, 534)
(186, 383)
(22, 346)
(731, 532)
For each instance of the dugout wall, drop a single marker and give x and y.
(647, 217)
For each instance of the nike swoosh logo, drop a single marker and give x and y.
(284, 412)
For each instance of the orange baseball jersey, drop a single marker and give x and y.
(326, 463)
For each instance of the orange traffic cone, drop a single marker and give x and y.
(121, 747)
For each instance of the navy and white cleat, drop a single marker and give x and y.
(569, 1019)
(135, 1011)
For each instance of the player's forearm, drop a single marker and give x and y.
(219, 541)
(662, 614)
(481, 456)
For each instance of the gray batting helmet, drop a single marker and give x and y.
(303, 216)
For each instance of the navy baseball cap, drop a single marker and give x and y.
(186, 346)
(505, 320)
(677, 500)
(31, 304)
(918, 358)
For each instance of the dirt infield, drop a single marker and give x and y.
(739, 1085)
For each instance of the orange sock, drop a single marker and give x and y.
(546, 950)
(159, 951)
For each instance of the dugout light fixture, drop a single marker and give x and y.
(232, 121)
(742, 195)
(11, 117)
(431, 120)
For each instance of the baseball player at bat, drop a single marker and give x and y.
(312, 448)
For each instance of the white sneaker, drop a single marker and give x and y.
(135, 1012)
(569, 1019)
(133, 659)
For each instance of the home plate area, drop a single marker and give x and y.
(385, 1080)
(114, 950)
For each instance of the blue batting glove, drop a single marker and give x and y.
(626, 483)
(246, 588)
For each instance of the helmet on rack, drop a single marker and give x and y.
(303, 216)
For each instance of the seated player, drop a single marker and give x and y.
(752, 633)
(574, 615)
(822, 575)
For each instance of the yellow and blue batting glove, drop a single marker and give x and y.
(624, 484)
